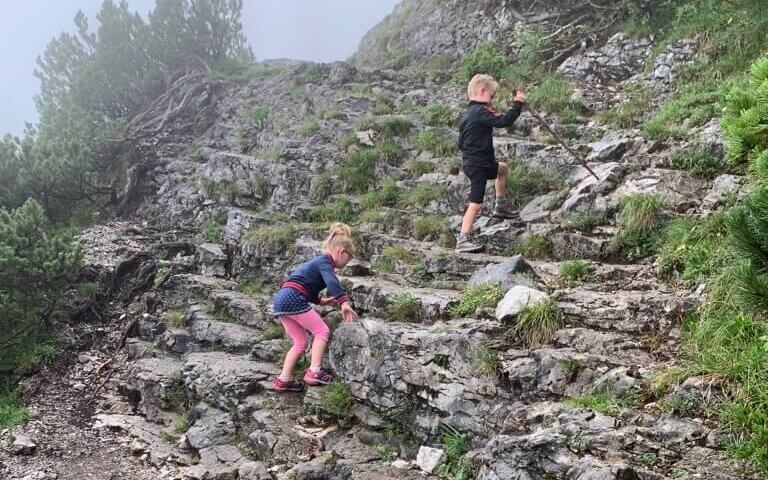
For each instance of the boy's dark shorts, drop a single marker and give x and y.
(478, 177)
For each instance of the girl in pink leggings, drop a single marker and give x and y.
(292, 308)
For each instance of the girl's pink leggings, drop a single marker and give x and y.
(298, 325)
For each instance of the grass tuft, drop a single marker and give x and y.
(536, 323)
(486, 295)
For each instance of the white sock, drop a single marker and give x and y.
(284, 378)
(314, 369)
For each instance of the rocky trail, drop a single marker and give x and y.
(173, 383)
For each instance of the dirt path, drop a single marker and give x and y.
(61, 426)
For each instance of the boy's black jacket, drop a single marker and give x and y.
(476, 131)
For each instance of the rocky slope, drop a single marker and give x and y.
(237, 195)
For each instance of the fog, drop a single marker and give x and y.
(320, 30)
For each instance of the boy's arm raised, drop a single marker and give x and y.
(492, 118)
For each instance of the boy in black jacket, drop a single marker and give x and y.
(476, 146)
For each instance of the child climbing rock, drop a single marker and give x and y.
(479, 159)
(292, 308)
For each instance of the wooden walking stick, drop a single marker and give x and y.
(580, 159)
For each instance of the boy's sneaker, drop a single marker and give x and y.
(464, 245)
(320, 377)
(503, 208)
(279, 385)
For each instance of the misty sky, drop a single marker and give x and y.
(321, 30)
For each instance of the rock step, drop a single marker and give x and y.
(607, 276)
(249, 310)
(629, 311)
(186, 288)
(209, 330)
(562, 440)
(379, 297)
(452, 371)
(224, 379)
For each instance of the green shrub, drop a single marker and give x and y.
(747, 225)
(600, 400)
(212, 230)
(487, 362)
(252, 286)
(273, 332)
(358, 171)
(437, 115)
(585, 221)
(405, 307)
(322, 187)
(536, 323)
(175, 318)
(694, 248)
(182, 423)
(348, 140)
(630, 113)
(386, 452)
(533, 247)
(699, 160)
(639, 225)
(457, 465)
(524, 181)
(389, 151)
(574, 271)
(439, 69)
(693, 104)
(257, 115)
(421, 195)
(428, 227)
(336, 401)
(395, 126)
(340, 210)
(485, 59)
(391, 256)
(274, 236)
(382, 105)
(746, 117)
(553, 95)
(437, 142)
(12, 412)
(475, 297)
(309, 127)
(333, 113)
(385, 196)
(269, 153)
(417, 168)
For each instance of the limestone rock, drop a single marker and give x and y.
(516, 300)
(341, 73)
(430, 459)
(23, 445)
(212, 259)
(511, 272)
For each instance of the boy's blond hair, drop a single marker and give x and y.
(481, 80)
(340, 235)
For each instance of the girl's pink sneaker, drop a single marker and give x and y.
(291, 385)
(314, 379)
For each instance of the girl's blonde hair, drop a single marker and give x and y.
(340, 236)
(480, 80)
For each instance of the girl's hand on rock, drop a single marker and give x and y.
(326, 301)
(348, 313)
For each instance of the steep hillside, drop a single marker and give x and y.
(563, 351)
